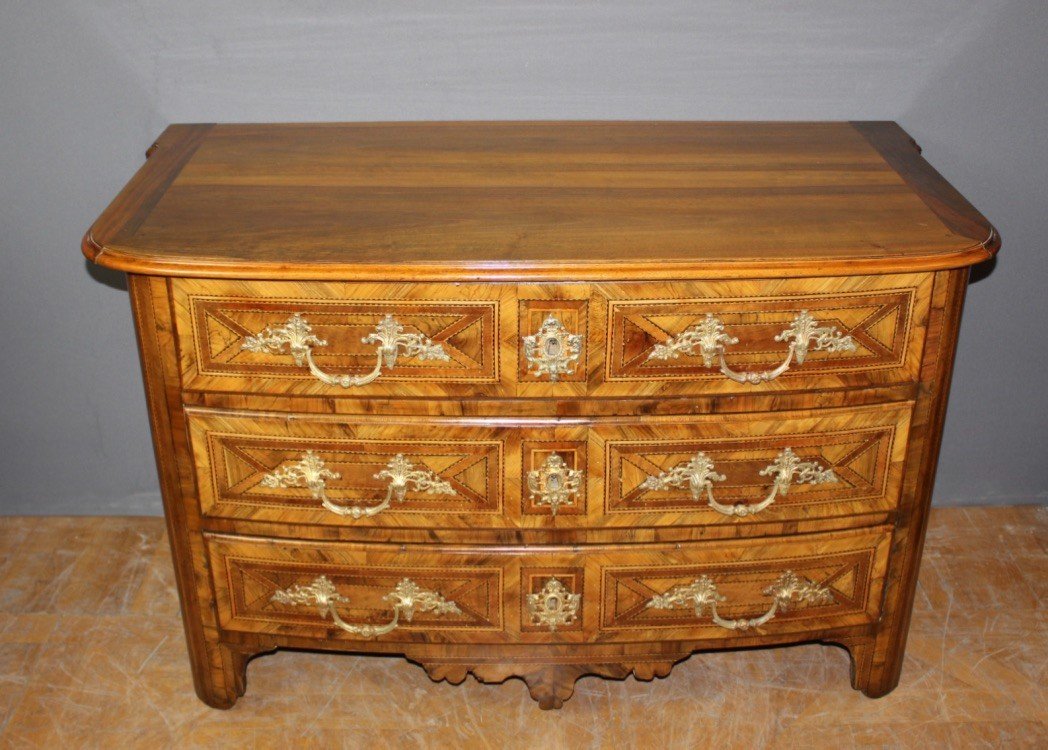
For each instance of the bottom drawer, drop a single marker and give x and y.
(452, 594)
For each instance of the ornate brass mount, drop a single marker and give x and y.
(296, 338)
(698, 475)
(554, 483)
(310, 472)
(405, 598)
(553, 606)
(552, 350)
(803, 334)
(702, 594)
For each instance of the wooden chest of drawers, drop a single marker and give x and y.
(543, 399)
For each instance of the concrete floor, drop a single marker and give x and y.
(92, 655)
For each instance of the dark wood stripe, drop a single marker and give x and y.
(903, 154)
(165, 159)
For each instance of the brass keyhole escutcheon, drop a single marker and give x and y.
(555, 605)
(553, 350)
(554, 483)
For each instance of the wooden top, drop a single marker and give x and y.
(537, 200)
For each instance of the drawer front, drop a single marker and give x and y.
(301, 338)
(550, 340)
(692, 591)
(751, 336)
(439, 473)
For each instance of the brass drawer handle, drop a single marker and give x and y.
(803, 334)
(296, 338)
(405, 598)
(310, 472)
(698, 475)
(554, 483)
(552, 350)
(554, 606)
(702, 594)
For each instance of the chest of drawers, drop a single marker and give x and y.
(543, 399)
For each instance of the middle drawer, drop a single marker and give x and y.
(459, 473)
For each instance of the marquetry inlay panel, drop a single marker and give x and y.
(248, 574)
(235, 454)
(885, 318)
(849, 567)
(864, 449)
(215, 319)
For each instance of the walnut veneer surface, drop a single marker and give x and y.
(543, 399)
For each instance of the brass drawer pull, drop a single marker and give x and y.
(698, 475)
(310, 472)
(702, 594)
(709, 336)
(554, 483)
(552, 350)
(554, 606)
(297, 339)
(405, 598)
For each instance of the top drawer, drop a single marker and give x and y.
(638, 339)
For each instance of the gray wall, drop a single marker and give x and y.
(86, 85)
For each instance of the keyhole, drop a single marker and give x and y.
(553, 347)
(552, 604)
(553, 482)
